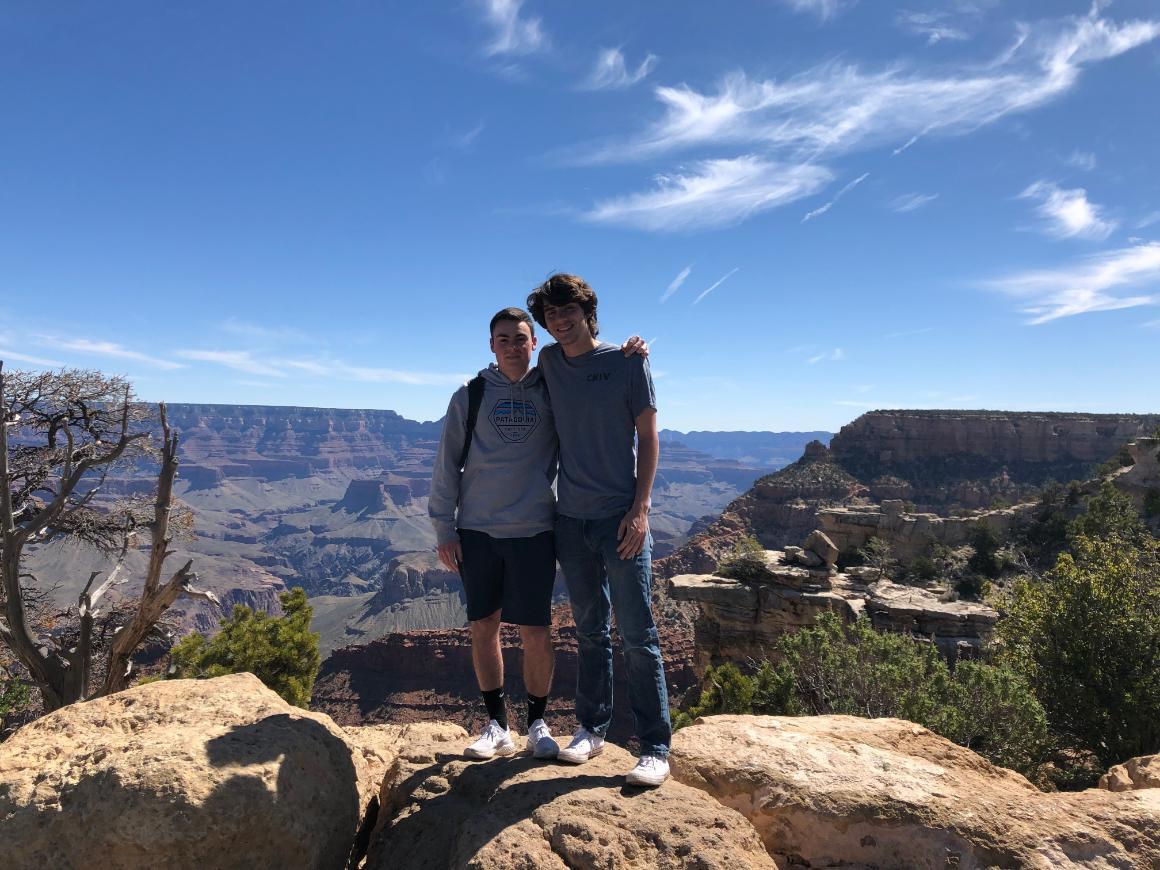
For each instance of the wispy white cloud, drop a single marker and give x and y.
(1068, 213)
(11, 355)
(837, 108)
(714, 193)
(262, 332)
(676, 283)
(1148, 220)
(911, 201)
(830, 355)
(716, 284)
(511, 33)
(610, 71)
(238, 360)
(88, 347)
(824, 9)
(909, 332)
(934, 27)
(825, 208)
(465, 140)
(1081, 160)
(320, 367)
(1151, 324)
(1104, 282)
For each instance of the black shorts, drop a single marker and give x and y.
(512, 574)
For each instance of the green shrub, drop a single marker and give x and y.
(746, 561)
(852, 669)
(984, 561)
(281, 651)
(14, 697)
(1152, 503)
(877, 553)
(1110, 513)
(1087, 636)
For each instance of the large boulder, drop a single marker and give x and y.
(185, 773)
(843, 791)
(438, 810)
(1142, 772)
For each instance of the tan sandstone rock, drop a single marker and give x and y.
(184, 773)
(843, 791)
(441, 811)
(1142, 772)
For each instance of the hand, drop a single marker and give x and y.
(631, 533)
(635, 344)
(451, 555)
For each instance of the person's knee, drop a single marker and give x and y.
(536, 635)
(484, 628)
(640, 639)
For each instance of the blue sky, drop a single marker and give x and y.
(812, 207)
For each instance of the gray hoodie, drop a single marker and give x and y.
(505, 489)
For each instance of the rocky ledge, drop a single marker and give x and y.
(742, 619)
(222, 773)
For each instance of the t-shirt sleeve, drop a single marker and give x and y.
(641, 394)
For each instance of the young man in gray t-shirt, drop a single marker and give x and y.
(605, 411)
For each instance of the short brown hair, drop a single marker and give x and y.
(516, 315)
(562, 289)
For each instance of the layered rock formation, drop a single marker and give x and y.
(939, 460)
(910, 534)
(837, 791)
(741, 620)
(780, 509)
(970, 457)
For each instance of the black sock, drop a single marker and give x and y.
(496, 705)
(536, 707)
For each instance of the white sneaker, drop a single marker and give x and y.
(584, 745)
(540, 742)
(495, 740)
(649, 770)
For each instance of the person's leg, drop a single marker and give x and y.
(487, 657)
(591, 610)
(539, 658)
(481, 573)
(529, 575)
(630, 582)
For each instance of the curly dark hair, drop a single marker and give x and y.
(561, 289)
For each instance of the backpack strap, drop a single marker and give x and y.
(474, 400)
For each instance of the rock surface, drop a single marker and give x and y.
(841, 791)
(440, 811)
(184, 773)
(1142, 772)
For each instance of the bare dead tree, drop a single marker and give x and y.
(61, 434)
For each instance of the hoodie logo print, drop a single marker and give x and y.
(514, 420)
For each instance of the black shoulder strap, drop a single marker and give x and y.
(474, 400)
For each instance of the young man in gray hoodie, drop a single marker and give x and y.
(493, 512)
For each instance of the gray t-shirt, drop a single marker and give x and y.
(596, 398)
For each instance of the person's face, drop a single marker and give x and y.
(512, 343)
(566, 323)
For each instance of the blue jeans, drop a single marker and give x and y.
(597, 578)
